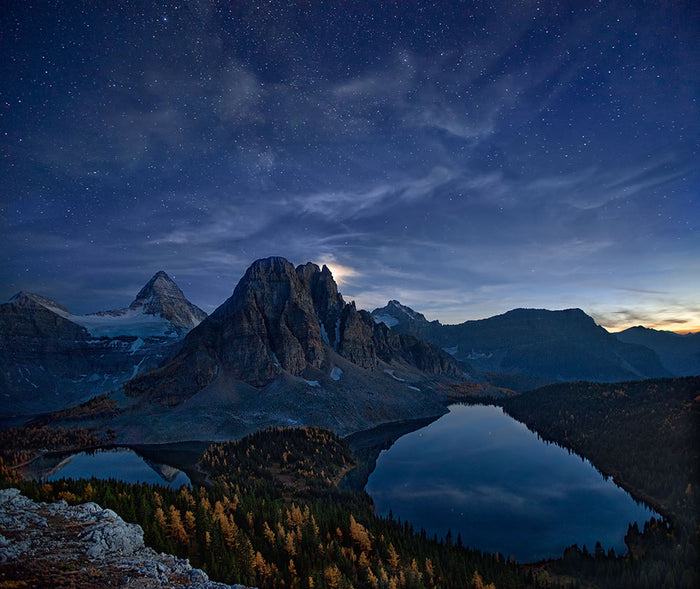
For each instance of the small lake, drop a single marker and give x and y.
(479, 473)
(121, 463)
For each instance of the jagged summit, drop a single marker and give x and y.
(269, 323)
(160, 307)
(161, 296)
(394, 313)
(51, 358)
(283, 321)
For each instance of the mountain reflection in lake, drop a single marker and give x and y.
(122, 464)
(480, 474)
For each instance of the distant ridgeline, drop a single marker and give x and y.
(286, 348)
(524, 348)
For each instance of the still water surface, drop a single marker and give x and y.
(122, 464)
(481, 474)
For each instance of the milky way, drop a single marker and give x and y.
(462, 157)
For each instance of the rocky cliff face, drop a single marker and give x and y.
(328, 302)
(52, 545)
(270, 324)
(162, 297)
(282, 319)
(357, 342)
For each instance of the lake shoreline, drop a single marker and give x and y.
(490, 473)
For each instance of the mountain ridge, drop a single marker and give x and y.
(563, 345)
(159, 297)
(680, 353)
(278, 320)
(51, 359)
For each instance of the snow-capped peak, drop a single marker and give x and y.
(159, 309)
(394, 313)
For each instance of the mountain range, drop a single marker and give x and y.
(287, 349)
(284, 349)
(535, 344)
(51, 359)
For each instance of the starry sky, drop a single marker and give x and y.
(465, 158)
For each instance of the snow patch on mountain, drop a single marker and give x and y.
(386, 319)
(127, 322)
(324, 333)
(394, 313)
(392, 375)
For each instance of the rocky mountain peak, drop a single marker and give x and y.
(328, 302)
(564, 321)
(25, 299)
(34, 316)
(279, 319)
(159, 286)
(272, 269)
(162, 297)
(394, 313)
(269, 324)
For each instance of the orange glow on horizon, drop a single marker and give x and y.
(686, 330)
(681, 328)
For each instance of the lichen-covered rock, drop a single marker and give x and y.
(84, 546)
(111, 534)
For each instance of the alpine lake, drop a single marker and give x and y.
(496, 486)
(474, 475)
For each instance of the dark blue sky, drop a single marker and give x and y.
(462, 157)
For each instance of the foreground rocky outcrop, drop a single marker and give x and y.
(56, 545)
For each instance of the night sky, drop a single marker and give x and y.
(465, 158)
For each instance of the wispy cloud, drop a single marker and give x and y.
(374, 199)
